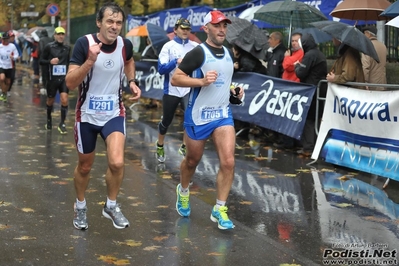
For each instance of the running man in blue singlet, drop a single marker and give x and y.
(208, 69)
(97, 66)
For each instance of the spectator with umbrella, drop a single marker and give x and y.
(351, 41)
(348, 66)
(292, 55)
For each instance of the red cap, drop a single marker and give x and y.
(215, 17)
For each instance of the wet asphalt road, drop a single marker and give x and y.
(286, 213)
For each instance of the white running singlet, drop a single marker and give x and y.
(101, 91)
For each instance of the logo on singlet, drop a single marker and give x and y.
(109, 64)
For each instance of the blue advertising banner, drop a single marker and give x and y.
(195, 14)
(272, 103)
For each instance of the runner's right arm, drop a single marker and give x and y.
(83, 59)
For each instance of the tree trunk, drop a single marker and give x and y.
(146, 5)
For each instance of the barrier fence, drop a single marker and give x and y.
(357, 130)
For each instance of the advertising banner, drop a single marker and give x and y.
(359, 130)
(272, 103)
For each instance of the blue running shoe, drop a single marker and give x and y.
(220, 216)
(182, 203)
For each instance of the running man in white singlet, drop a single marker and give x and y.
(97, 66)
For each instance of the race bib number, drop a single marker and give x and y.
(100, 104)
(212, 113)
(5, 57)
(59, 70)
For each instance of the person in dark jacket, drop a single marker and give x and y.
(246, 62)
(44, 40)
(311, 70)
(55, 58)
(275, 55)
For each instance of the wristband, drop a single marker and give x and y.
(133, 80)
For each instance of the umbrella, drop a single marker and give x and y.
(289, 13)
(138, 31)
(318, 35)
(248, 13)
(360, 10)
(247, 36)
(192, 37)
(348, 35)
(32, 30)
(392, 10)
(237, 26)
(393, 22)
(157, 36)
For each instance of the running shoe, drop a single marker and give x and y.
(62, 129)
(182, 150)
(3, 97)
(79, 218)
(220, 216)
(182, 203)
(115, 214)
(48, 125)
(160, 153)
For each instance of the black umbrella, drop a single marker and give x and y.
(348, 35)
(248, 37)
(318, 35)
(237, 26)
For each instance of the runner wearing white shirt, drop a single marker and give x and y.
(8, 55)
(169, 58)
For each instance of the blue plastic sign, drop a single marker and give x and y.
(52, 10)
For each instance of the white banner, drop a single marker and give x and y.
(360, 130)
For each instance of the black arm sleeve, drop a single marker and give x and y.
(44, 57)
(192, 60)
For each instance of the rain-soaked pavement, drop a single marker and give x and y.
(286, 213)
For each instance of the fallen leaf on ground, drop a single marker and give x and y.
(160, 238)
(4, 203)
(27, 210)
(246, 202)
(215, 254)
(25, 238)
(343, 178)
(50, 177)
(129, 242)
(151, 248)
(167, 176)
(344, 205)
(4, 226)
